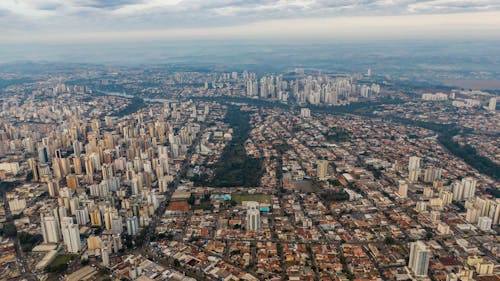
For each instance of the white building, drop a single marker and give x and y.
(484, 223)
(71, 235)
(414, 169)
(403, 189)
(492, 105)
(50, 229)
(322, 169)
(82, 216)
(17, 205)
(465, 189)
(132, 226)
(419, 258)
(253, 216)
(305, 112)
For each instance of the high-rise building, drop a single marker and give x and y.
(322, 168)
(414, 169)
(82, 216)
(421, 206)
(72, 182)
(431, 174)
(132, 226)
(469, 185)
(494, 212)
(32, 163)
(94, 242)
(53, 187)
(446, 196)
(419, 258)
(473, 214)
(95, 217)
(77, 148)
(71, 236)
(465, 189)
(43, 154)
(253, 216)
(403, 189)
(305, 112)
(485, 268)
(105, 256)
(77, 165)
(484, 223)
(365, 91)
(17, 205)
(50, 229)
(458, 191)
(492, 105)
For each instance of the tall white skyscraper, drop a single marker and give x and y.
(469, 186)
(419, 258)
(465, 189)
(458, 191)
(132, 226)
(494, 211)
(82, 216)
(253, 216)
(431, 174)
(105, 256)
(414, 163)
(71, 235)
(116, 224)
(492, 105)
(414, 169)
(50, 229)
(322, 168)
(403, 189)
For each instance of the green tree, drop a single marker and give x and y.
(9, 229)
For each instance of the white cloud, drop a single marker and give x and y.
(146, 6)
(24, 18)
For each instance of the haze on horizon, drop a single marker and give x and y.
(64, 21)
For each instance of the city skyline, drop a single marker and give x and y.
(235, 140)
(150, 173)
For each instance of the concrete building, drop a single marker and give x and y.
(414, 169)
(322, 169)
(419, 258)
(403, 189)
(50, 229)
(253, 216)
(71, 236)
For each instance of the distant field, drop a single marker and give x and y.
(474, 84)
(261, 198)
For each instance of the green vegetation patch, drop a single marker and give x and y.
(334, 196)
(60, 263)
(135, 105)
(468, 153)
(29, 241)
(235, 167)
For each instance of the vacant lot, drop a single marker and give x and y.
(261, 198)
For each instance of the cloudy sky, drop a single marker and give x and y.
(73, 20)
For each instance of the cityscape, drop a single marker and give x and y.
(265, 162)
